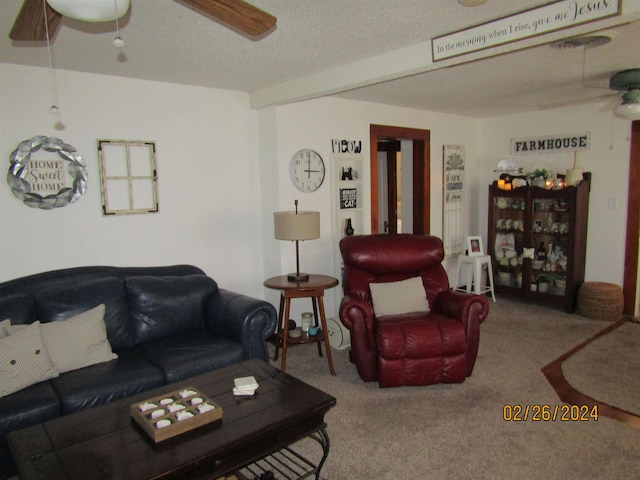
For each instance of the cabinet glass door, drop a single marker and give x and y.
(551, 225)
(509, 239)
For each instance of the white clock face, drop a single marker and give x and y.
(307, 170)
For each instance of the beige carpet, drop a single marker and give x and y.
(458, 431)
(608, 369)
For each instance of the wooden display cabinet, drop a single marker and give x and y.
(524, 219)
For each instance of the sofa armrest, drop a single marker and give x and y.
(248, 320)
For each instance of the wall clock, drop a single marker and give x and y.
(306, 170)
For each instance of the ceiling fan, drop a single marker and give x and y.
(30, 22)
(626, 86)
(628, 82)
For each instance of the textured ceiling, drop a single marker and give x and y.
(336, 47)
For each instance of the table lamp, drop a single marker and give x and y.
(296, 226)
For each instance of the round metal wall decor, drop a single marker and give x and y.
(30, 180)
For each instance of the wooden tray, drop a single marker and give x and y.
(158, 409)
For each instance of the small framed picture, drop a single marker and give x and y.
(537, 226)
(474, 246)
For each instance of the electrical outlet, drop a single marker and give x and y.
(613, 203)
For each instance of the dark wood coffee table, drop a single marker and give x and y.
(104, 442)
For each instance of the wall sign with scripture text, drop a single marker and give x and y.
(530, 23)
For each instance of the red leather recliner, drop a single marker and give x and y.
(439, 346)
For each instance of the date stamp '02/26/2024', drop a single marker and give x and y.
(549, 413)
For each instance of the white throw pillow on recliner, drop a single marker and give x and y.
(396, 298)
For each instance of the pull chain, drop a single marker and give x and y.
(118, 41)
(54, 84)
(54, 109)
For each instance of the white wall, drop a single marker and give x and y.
(313, 124)
(208, 170)
(223, 171)
(607, 160)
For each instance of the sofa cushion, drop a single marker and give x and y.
(19, 307)
(30, 406)
(70, 298)
(165, 306)
(395, 298)
(3, 327)
(105, 382)
(187, 354)
(79, 341)
(24, 360)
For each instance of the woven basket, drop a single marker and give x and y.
(600, 300)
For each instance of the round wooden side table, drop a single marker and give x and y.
(313, 288)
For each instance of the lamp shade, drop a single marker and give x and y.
(91, 11)
(296, 226)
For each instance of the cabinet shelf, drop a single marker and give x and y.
(524, 219)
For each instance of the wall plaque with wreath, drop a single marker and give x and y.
(46, 173)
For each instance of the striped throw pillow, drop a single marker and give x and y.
(24, 360)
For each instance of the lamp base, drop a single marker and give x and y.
(298, 277)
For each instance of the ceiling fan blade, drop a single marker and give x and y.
(578, 101)
(29, 25)
(611, 104)
(237, 13)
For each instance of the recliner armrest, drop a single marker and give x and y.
(459, 305)
(471, 310)
(245, 319)
(357, 315)
(354, 311)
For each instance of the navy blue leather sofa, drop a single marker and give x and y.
(164, 323)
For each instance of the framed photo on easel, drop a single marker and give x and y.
(474, 246)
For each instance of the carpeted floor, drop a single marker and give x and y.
(458, 431)
(607, 369)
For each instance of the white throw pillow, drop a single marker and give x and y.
(78, 341)
(395, 298)
(24, 360)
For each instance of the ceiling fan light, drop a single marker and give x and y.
(630, 111)
(93, 11)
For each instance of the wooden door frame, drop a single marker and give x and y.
(421, 175)
(630, 281)
(392, 148)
